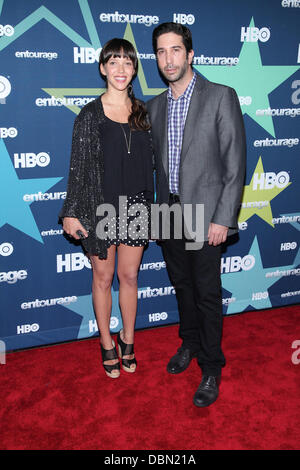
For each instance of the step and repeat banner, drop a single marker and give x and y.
(49, 53)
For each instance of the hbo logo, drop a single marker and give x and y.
(245, 100)
(72, 262)
(236, 263)
(183, 19)
(5, 88)
(114, 322)
(8, 132)
(21, 329)
(260, 295)
(86, 55)
(288, 246)
(270, 179)
(30, 160)
(255, 34)
(158, 316)
(6, 249)
(6, 30)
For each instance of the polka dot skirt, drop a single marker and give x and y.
(132, 230)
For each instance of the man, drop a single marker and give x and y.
(199, 146)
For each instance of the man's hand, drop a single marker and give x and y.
(72, 225)
(217, 234)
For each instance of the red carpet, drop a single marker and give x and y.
(58, 397)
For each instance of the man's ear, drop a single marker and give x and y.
(191, 56)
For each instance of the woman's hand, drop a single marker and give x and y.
(71, 225)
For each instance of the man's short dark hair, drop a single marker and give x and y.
(176, 28)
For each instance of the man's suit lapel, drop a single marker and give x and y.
(193, 111)
(162, 125)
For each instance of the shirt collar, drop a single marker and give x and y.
(188, 91)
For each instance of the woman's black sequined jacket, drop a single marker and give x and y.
(85, 183)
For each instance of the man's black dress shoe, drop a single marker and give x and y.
(180, 361)
(207, 391)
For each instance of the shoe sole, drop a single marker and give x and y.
(126, 369)
(204, 405)
(112, 376)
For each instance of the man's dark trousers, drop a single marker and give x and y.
(195, 274)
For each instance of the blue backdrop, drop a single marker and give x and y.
(49, 70)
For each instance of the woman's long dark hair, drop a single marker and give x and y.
(122, 48)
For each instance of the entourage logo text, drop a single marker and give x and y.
(128, 18)
(11, 277)
(36, 55)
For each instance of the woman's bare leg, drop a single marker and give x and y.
(103, 273)
(129, 259)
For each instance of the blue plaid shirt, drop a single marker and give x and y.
(177, 112)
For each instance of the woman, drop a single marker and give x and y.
(111, 157)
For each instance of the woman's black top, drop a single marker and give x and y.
(126, 174)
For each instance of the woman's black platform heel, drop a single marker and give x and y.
(111, 370)
(129, 365)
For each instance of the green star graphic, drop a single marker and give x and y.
(254, 195)
(65, 92)
(296, 225)
(250, 286)
(16, 210)
(44, 13)
(251, 78)
(84, 307)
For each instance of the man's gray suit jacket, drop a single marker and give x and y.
(213, 156)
